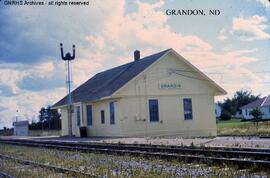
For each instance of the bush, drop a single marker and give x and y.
(225, 115)
(256, 113)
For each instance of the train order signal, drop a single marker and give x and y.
(68, 56)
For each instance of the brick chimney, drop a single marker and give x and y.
(136, 55)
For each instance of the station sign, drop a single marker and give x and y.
(170, 86)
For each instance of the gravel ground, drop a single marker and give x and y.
(115, 166)
(253, 142)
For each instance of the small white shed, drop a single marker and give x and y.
(20, 128)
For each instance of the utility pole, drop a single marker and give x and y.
(16, 118)
(68, 58)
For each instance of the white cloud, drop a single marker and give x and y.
(98, 41)
(228, 69)
(151, 32)
(147, 28)
(222, 35)
(46, 67)
(83, 69)
(265, 3)
(116, 34)
(27, 104)
(250, 28)
(10, 77)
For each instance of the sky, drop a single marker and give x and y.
(231, 48)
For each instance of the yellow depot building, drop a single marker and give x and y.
(161, 94)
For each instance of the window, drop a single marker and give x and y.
(89, 115)
(246, 112)
(187, 109)
(112, 115)
(78, 113)
(102, 113)
(153, 110)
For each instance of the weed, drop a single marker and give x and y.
(104, 165)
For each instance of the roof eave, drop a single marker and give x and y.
(58, 106)
(111, 97)
(221, 91)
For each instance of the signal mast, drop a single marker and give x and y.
(67, 58)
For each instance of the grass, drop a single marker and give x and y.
(17, 170)
(229, 123)
(235, 127)
(108, 166)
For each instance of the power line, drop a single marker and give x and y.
(192, 71)
(226, 83)
(217, 73)
(192, 77)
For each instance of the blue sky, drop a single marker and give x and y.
(232, 48)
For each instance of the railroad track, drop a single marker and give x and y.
(131, 146)
(243, 157)
(5, 175)
(46, 166)
(263, 154)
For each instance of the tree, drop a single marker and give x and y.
(48, 119)
(54, 118)
(257, 115)
(42, 114)
(239, 99)
(228, 106)
(225, 115)
(242, 98)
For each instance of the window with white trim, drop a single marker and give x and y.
(187, 102)
(89, 115)
(112, 113)
(78, 113)
(153, 110)
(102, 115)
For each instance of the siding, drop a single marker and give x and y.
(171, 114)
(265, 110)
(135, 95)
(131, 105)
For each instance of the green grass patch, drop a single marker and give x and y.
(238, 128)
(229, 123)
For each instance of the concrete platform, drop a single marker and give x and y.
(243, 142)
